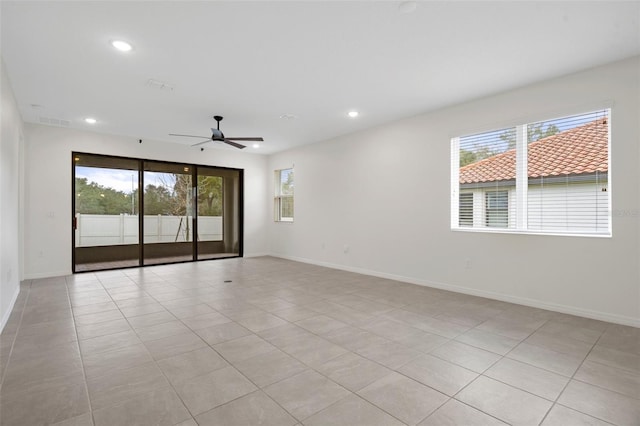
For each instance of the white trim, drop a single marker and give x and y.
(523, 232)
(455, 182)
(522, 177)
(7, 314)
(47, 275)
(609, 178)
(571, 310)
(259, 254)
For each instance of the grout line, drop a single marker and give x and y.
(572, 378)
(15, 336)
(311, 281)
(84, 372)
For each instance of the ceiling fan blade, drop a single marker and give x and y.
(237, 145)
(246, 139)
(188, 136)
(201, 143)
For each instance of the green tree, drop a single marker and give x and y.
(170, 195)
(92, 198)
(157, 200)
(210, 195)
(287, 185)
(468, 157)
(535, 132)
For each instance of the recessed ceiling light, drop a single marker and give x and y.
(256, 145)
(122, 46)
(407, 6)
(353, 114)
(90, 120)
(288, 116)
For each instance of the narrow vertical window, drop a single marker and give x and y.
(283, 200)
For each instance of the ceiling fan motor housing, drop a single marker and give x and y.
(217, 135)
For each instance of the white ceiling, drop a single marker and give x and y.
(255, 61)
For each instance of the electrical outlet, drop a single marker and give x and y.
(346, 249)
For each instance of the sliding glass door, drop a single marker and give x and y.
(190, 212)
(168, 213)
(219, 211)
(105, 220)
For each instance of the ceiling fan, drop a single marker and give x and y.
(217, 135)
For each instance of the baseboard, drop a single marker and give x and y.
(256, 254)
(7, 314)
(534, 303)
(39, 275)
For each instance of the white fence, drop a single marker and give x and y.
(106, 230)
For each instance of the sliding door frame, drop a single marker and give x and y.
(140, 203)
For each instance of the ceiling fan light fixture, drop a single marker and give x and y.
(256, 145)
(90, 120)
(353, 114)
(121, 45)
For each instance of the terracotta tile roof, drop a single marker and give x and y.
(580, 150)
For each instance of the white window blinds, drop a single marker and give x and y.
(550, 176)
(487, 168)
(568, 166)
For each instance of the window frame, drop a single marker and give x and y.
(280, 199)
(519, 197)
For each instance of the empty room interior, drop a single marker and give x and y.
(291, 213)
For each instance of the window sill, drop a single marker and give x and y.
(523, 232)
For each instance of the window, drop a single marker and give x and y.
(283, 201)
(466, 209)
(547, 177)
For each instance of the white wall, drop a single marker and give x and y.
(11, 147)
(396, 177)
(48, 166)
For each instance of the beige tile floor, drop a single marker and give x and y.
(286, 343)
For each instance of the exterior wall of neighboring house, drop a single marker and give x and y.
(478, 216)
(568, 204)
(550, 205)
